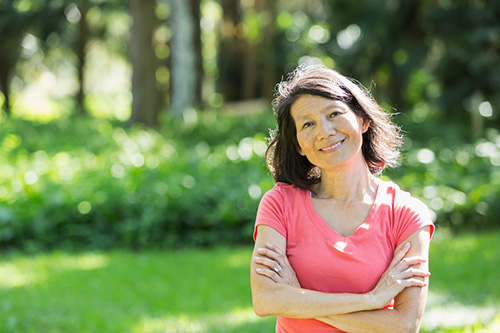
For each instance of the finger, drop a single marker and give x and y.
(275, 249)
(400, 255)
(411, 261)
(272, 264)
(406, 263)
(279, 257)
(269, 273)
(268, 253)
(415, 282)
(419, 272)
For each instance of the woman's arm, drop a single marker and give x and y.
(274, 294)
(409, 304)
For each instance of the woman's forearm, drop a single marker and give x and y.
(383, 320)
(405, 317)
(277, 299)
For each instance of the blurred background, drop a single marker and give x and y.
(133, 133)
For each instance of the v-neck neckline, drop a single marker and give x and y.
(327, 231)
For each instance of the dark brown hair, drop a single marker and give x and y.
(381, 142)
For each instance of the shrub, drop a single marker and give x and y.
(88, 183)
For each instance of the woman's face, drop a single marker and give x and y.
(329, 134)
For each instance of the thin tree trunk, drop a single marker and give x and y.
(195, 12)
(232, 51)
(146, 98)
(9, 55)
(81, 54)
(183, 64)
(268, 77)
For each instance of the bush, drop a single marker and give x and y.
(460, 183)
(88, 183)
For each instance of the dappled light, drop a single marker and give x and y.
(133, 139)
(237, 319)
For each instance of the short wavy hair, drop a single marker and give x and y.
(381, 142)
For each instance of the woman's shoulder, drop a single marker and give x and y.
(402, 199)
(284, 192)
(287, 189)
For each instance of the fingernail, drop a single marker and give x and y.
(407, 245)
(259, 269)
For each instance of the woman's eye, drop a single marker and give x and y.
(306, 125)
(334, 114)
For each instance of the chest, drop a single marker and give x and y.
(331, 263)
(344, 219)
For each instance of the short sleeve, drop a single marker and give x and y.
(271, 212)
(411, 214)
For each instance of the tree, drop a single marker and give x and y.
(80, 49)
(146, 97)
(185, 56)
(13, 26)
(40, 20)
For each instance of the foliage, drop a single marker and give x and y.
(80, 182)
(202, 290)
(86, 183)
(459, 182)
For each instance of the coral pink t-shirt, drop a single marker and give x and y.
(328, 262)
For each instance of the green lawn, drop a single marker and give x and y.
(208, 290)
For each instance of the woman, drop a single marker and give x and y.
(337, 249)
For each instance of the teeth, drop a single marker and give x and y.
(331, 147)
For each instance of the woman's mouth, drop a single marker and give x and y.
(332, 147)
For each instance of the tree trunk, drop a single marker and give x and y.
(81, 54)
(9, 55)
(195, 12)
(232, 51)
(183, 58)
(268, 78)
(146, 98)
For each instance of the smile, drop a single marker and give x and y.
(332, 147)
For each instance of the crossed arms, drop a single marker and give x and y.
(280, 294)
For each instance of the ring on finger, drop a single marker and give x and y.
(277, 269)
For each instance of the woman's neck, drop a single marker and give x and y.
(347, 184)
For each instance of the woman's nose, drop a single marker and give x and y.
(326, 129)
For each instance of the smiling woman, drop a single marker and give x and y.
(328, 132)
(337, 249)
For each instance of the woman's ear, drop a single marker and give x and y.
(366, 125)
(300, 151)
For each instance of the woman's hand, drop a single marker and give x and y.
(402, 273)
(276, 266)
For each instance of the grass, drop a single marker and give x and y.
(208, 290)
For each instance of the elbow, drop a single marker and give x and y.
(260, 307)
(413, 326)
(260, 312)
(410, 325)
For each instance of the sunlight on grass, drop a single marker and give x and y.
(12, 276)
(28, 271)
(464, 289)
(238, 259)
(195, 323)
(208, 290)
(84, 262)
(444, 313)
